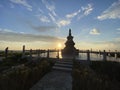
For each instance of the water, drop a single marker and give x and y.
(82, 56)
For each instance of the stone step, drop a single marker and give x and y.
(62, 68)
(63, 65)
(63, 62)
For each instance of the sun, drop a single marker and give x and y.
(59, 45)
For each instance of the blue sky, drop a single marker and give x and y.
(45, 23)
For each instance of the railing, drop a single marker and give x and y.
(38, 52)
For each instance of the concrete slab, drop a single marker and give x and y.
(55, 80)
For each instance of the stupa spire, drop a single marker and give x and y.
(69, 32)
(69, 46)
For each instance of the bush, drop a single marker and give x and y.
(24, 77)
(84, 78)
(12, 60)
(107, 69)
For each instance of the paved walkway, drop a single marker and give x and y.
(55, 80)
(58, 79)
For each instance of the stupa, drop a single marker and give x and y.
(69, 46)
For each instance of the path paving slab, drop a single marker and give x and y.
(58, 79)
(55, 80)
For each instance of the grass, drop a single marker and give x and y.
(96, 77)
(110, 70)
(26, 76)
(12, 60)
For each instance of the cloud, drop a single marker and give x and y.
(118, 32)
(43, 18)
(40, 10)
(24, 3)
(60, 23)
(68, 17)
(73, 14)
(113, 12)
(63, 22)
(87, 10)
(83, 11)
(118, 29)
(101, 45)
(52, 17)
(117, 39)
(95, 31)
(50, 7)
(43, 28)
(11, 36)
(6, 30)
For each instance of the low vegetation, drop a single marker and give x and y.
(97, 76)
(12, 60)
(26, 76)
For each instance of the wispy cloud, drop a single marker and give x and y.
(52, 14)
(101, 45)
(87, 10)
(117, 39)
(52, 17)
(40, 10)
(11, 36)
(95, 31)
(50, 7)
(24, 3)
(67, 19)
(63, 22)
(6, 30)
(113, 12)
(43, 18)
(118, 29)
(83, 11)
(43, 28)
(73, 14)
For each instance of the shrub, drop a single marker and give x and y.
(24, 77)
(84, 78)
(108, 69)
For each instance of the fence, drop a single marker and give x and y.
(38, 52)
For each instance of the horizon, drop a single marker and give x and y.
(44, 24)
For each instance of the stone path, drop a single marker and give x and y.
(63, 65)
(58, 79)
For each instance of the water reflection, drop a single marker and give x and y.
(81, 56)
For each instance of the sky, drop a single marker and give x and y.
(45, 24)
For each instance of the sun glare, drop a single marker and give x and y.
(59, 45)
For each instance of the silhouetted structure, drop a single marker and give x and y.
(69, 46)
(6, 52)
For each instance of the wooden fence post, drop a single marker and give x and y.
(104, 55)
(48, 53)
(88, 55)
(31, 54)
(6, 52)
(57, 54)
(115, 54)
(38, 51)
(23, 51)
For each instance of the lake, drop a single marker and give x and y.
(82, 56)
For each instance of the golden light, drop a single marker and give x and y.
(59, 45)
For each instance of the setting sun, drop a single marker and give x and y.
(59, 45)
